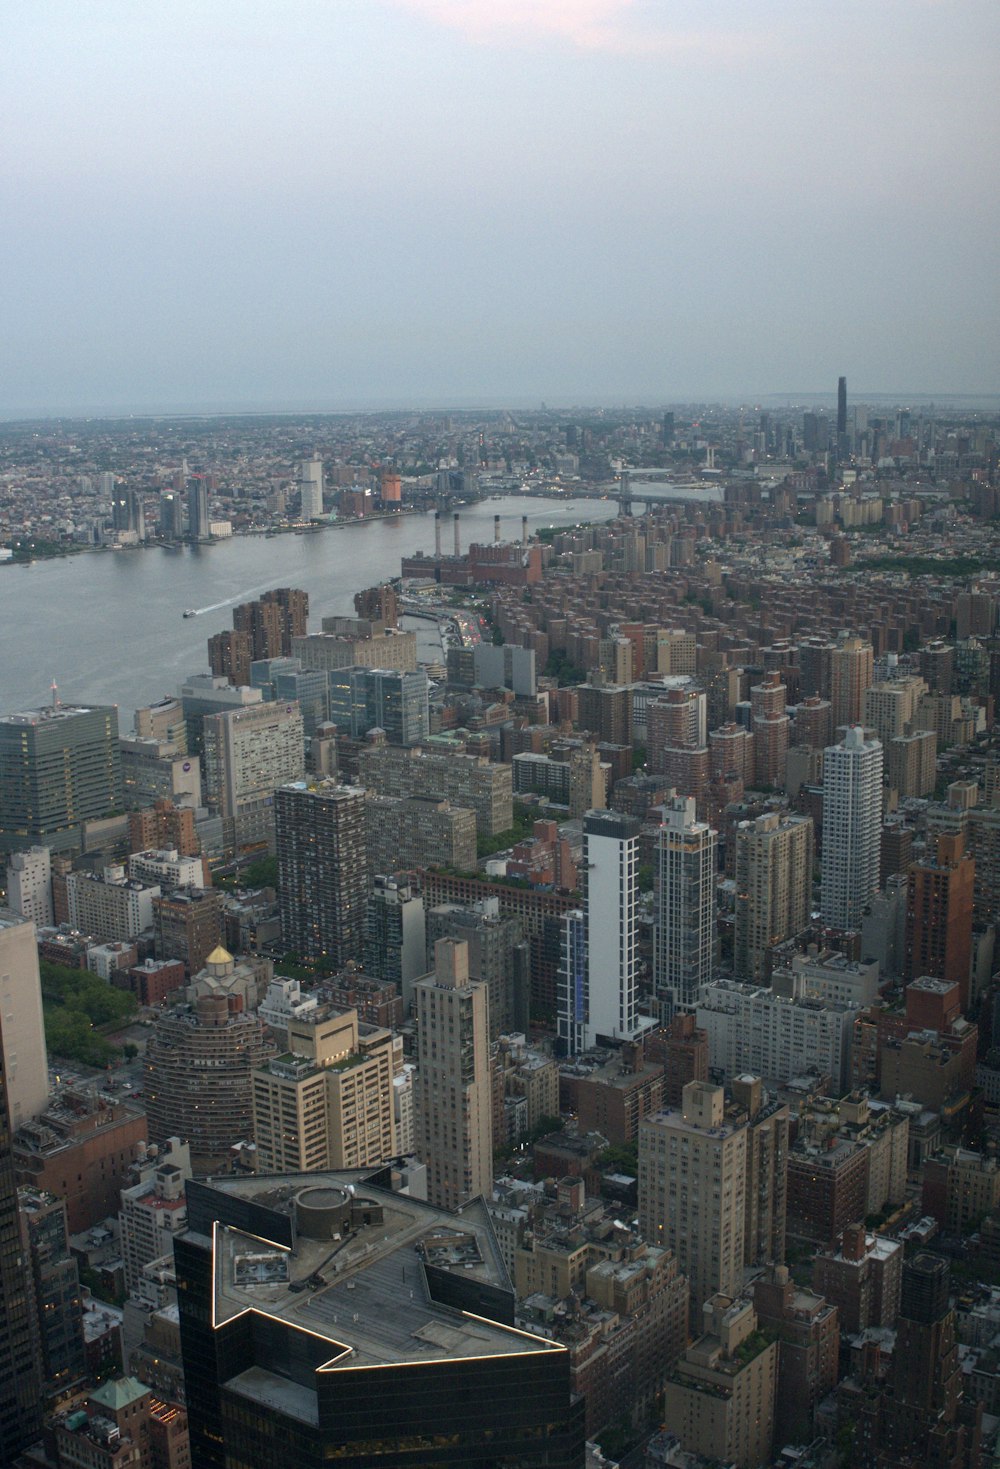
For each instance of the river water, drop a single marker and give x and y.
(108, 627)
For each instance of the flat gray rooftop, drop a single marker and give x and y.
(367, 1295)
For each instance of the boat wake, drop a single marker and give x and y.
(236, 597)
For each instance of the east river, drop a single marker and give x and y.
(108, 627)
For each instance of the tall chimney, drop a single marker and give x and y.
(458, 548)
(524, 530)
(496, 528)
(437, 534)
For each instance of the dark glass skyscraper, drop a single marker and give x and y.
(326, 1319)
(59, 768)
(20, 1356)
(57, 1290)
(362, 699)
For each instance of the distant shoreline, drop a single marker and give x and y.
(63, 552)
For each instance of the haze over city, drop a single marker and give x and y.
(405, 202)
(500, 735)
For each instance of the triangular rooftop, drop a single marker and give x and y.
(119, 1393)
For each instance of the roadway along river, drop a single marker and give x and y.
(109, 626)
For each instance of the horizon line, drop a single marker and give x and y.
(534, 404)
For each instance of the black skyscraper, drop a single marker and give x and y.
(20, 1360)
(327, 1320)
(841, 406)
(919, 1417)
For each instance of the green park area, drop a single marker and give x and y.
(80, 1010)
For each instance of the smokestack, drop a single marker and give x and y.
(437, 534)
(524, 530)
(458, 549)
(496, 529)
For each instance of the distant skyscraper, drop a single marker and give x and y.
(774, 860)
(197, 503)
(852, 663)
(59, 768)
(320, 840)
(311, 487)
(841, 406)
(362, 699)
(684, 936)
(248, 753)
(938, 938)
(770, 726)
(852, 819)
(326, 1103)
(198, 1078)
(273, 620)
(453, 1106)
(395, 930)
(598, 976)
(171, 523)
(498, 957)
(137, 514)
(229, 656)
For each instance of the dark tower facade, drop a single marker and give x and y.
(20, 1350)
(841, 406)
(59, 768)
(921, 1421)
(326, 1319)
(322, 849)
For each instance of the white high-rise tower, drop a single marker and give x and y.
(598, 988)
(852, 822)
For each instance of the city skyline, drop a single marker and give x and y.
(444, 202)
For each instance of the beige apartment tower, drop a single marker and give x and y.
(326, 1102)
(774, 860)
(891, 706)
(22, 1032)
(852, 663)
(720, 1397)
(454, 1133)
(692, 1185)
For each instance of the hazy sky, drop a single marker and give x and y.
(328, 203)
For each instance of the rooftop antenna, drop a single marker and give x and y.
(55, 694)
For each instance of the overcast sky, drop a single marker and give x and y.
(330, 203)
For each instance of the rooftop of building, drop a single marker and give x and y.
(877, 1247)
(832, 1152)
(368, 1294)
(99, 1318)
(734, 1121)
(49, 714)
(929, 984)
(615, 1072)
(119, 1393)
